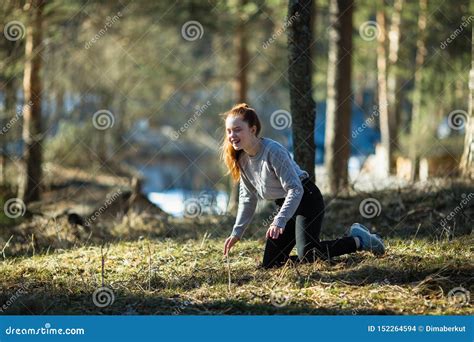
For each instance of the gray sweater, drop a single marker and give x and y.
(271, 174)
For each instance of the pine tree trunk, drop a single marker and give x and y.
(393, 80)
(243, 59)
(10, 111)
(416, 111)
(10, 89)
(241, 83)
(300, 39)
(30, 183)
(339, 101)
(385, 130)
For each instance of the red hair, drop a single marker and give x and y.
(229, 155)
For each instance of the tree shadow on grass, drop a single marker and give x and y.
(446, 277)
(57, 303)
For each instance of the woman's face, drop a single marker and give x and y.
(239, 134)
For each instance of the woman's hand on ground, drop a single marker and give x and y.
(274, 232)
(229, 242)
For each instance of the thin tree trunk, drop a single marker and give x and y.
(416, 111)
(243, 59)
(392, 77)
(300, 38)
(10, 111)
(120, 132)
(241, 82)
(103, 136)
(57, 114)
(13, 54)
(339, 101)
(385, 130)
(30, 183)
(467, 159)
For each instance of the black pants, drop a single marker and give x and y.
(303, 230)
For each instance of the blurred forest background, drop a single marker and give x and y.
(110, 125)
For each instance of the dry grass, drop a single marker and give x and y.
(152, 266)
(172, 277)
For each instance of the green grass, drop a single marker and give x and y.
(170, 276)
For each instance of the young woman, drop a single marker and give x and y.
(266, 170)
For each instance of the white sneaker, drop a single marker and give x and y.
(368, 241)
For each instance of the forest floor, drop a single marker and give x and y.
(150, 264)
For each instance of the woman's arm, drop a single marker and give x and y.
(281, 162)
(246, 209)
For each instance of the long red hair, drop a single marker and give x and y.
(228, 154)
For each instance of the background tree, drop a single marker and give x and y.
(11, 52)
(416, 119)
(339, 100)
(394, 95)
(30, 184)
(385, 121)
(300, 41)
